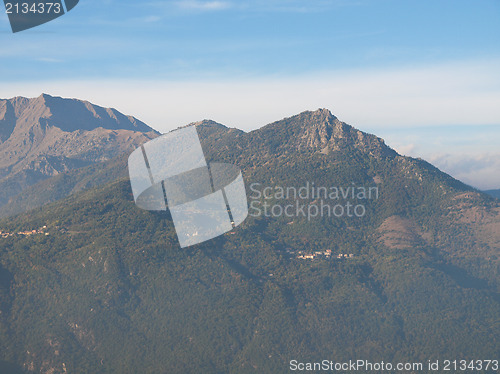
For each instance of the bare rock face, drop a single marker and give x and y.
(325, 131)
(45, 136)
(321, 131)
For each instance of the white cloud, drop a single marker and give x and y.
(382, 101)
(468, 153)
(286, 6)
(49, 60)
(300, 6)
(203, 5)
(404, 149)
(458, 94)
(150, 19)
(478, 170)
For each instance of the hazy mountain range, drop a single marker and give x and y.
(47, 136)
(109, 290)
(494, 193)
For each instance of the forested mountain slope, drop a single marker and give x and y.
(109, 290)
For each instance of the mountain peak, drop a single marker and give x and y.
(322, 113)
(66, 114)
(320, 130)
(73, 114)
(208, 128)
(208, 123)
(47, 135)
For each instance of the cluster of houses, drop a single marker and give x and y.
(322, 254)
(41, 230)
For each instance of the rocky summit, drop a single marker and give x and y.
(46, 136)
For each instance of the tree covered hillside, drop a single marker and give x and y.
(109, 290)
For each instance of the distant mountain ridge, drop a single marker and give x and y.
(67, 114)
(45, 136)
(494, 193)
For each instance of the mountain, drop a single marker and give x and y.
(494, 193)
(109, 290)
(46, 136)
(58, 187)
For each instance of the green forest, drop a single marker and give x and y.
(106, 288)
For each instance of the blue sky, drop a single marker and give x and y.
(191, 39)
(394, 68)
